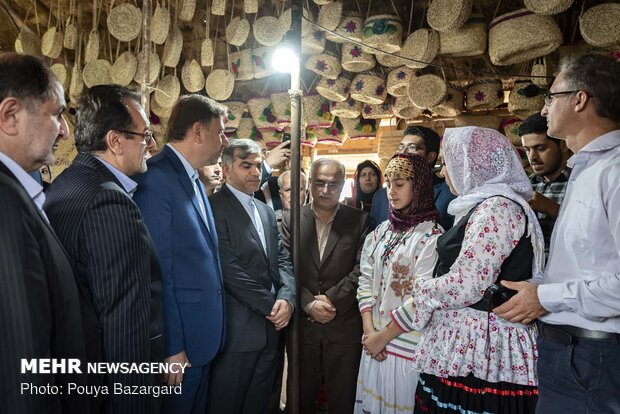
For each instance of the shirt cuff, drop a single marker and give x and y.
(551, 297)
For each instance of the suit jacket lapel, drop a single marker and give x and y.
(334, 235)
(307, 226)
(241, 212)
(266, 231)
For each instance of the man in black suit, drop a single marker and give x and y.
(90, 205)
(259, 285)
(40, 314)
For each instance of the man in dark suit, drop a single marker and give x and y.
(332, 236)
(40, 315)
(177, 213)
(259, 283)
(90, 207)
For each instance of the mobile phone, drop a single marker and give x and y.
(286, 137)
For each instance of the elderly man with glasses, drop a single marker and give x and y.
(91, 208)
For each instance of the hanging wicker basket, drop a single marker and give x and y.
(153, 69)
(398, 80)
(313, 43)
(403, 108)
(282, 108)
(469, 40)
(316, 111)
(160, 24)
(124, 69)
(236, 109)
(336, 90)
(241, 65)
(331, 135)
(357, 128)
(548, 7)
(384, 32)
(421, 47)
(346, 109)
(350, 27)
(250, 6)
(264, 31)
(483, 121)
(324, 64)
(369, 88)
(97, 73)
(192, 77)
(188, 8)
(261, 58)
(125, 22)
(173, 47)
(453, 104)
(91, 53)
(377, 111)
(237, 31)
(28, 43)
(526, 99)
(427, 91)
(220, 84)
(448, 15)
(51, 42)
(330, 15)
(599, 25)
(206, 53)
(71, 35)
(167, 91)
(484, 94)
(390, 60)
(354, 59)
(62, 74)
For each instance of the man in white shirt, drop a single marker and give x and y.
(578, 298)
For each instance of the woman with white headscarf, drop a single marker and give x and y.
(472, 361)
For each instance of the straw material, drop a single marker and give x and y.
(520, 36)
(124, 69)
(316, 111)
(220, 84)
(421, 46)
(236, 109)
(354, 59)
(27, 43)
(369, 88)
(71, 36)
(539, 68)
(285, 20)
(357, 128)
(61, 73)
(167, 91)
(350, 27)
(453, 103)
(306, 26)
(346, 109)
(330, 15)
(398, 80)
(313, 43)
(173, 47)
(322, 2)
(484, 94)
(192, 77)
(377, 111)
(241, 65)
(526, 99)
(511, 130)
(282, 108)
(427, 91)
(309, 140)
(159, 110)
(247, 129)
(250, 6)
(125, 22)
(272, 138)
(390, 61)
(483, 121)
(153, 69)
(77, 83)
(332, 135)
(403, 108)
(206, 53)
(188, 8)
(237, 31)
(448, 15)
(264, 32)
(336, 90)
(51, 42)
(325, 65)
(469, 40)
(600, 26)
(548, 7)
(261, 58)
(383, 31)
(160, 24)
(91, 53)
(218, 7)
(97, 73)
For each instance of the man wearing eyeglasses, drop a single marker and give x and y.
(577, 299)
(425, 143)
(331, 236)
(90, 205)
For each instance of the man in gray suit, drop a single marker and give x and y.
(91, 208)
(259, 285)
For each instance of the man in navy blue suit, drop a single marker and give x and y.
(178, 215)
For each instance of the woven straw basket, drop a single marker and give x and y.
(250, 6)
(469, 40)
(369, 88)
(398, 80)
(421, 47)
(236, 109)
(220, 84)
(600, 26)
(247, 129)
(167, 91)
(453, 103)
(71, 35)
(307, 26)
(390, 60)
(264, 31)
(125, 22)
(218, 7)
(548, 6)
(330, 15)
(77, 82)
(160, 23)
(520, 36)
(357, 128)
(286, 20)
(346, 109)
(350, 27)
(332, 135)
(124, 69)
(159, 110)
(324, 64)
(188, 8)
(403, 108)
(539, 68)
(448, 15)
(91, 53)
(484, 94)
(241, 65)
(206, 53)
(316, 111)
(27, 43)
(354, 59)
(192, 77)
(309, 139)
(525, 99)
(237, 31)
(61, 73)
(427, 91)
(377, 111)
(272, 138)
(282, 108)
(484, 121)
(322, 2)
(261, 58)
(173, 47)
(336, 90)
(51, 42)
(510, 127)
(383, 31)
(313, 43)
(97, 73)
(261, 109)
(153, 69)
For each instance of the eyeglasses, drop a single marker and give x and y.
(411, 148)
(550, 95)
(148, 135)
(330, 186)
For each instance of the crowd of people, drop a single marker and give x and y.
(468, 288)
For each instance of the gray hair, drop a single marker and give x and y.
(240, 148)
(325, 161)
(286, 173)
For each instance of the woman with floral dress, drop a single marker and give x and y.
(470, 360)
(399, 250)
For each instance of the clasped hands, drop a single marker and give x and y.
(280, 314)
(374, 344)
(321, 310)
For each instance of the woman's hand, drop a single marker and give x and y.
(375, 343)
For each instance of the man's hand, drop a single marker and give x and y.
(326, 299)
(278, 155)
(544, 205)
(321, 312)
(280, 314)
(175, 378)
(524, 307)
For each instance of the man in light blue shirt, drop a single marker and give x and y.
(577, 300)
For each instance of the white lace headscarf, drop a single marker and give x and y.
(482, 163)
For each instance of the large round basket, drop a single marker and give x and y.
(427, 91)
(398, 80)
(526, 99)
(520, 36)
(263, 116)
(167, 91)
(27, 43)
(124, 69)
(484, 94)
(548, 6)
(220, 84)
(448, 15)
(241, 64)
(237, 31)
(469, 40)
(346, 109)
(421, 47)
(173, 47)
(236, 109)
(369, 88)
(97, 73)
(153, 69)
(51, 42)
(377, 111)
(336, 90)
(61, 73)
(316, 111)
(354, 59)
(599, 25)
(453, 103)
(324, 64)
(403, 108)
(265, 32)
(125, 22)
(160, 24)
(282, 108)
(192, 77)
(358, 128)
(384, 32)
(261, 58)
(159, 110)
